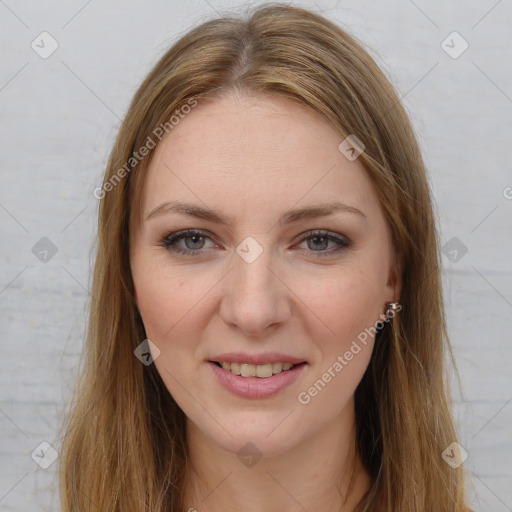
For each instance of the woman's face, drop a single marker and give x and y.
(256, 286)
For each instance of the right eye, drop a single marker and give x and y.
(191, 249)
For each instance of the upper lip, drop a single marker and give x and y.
(268, 357)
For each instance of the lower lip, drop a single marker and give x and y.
(256, 387)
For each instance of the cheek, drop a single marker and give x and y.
(173, 303)
(166, 302)
(345, 301)
(165, 296)
(348, 305)
(156, 301)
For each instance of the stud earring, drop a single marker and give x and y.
(392, 308)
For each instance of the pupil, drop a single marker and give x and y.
(316, 238)
(195, 239)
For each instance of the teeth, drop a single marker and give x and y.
(277, 367)
(256, 370)
(264, 370)
(248, 370)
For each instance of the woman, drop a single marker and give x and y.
(267, 330)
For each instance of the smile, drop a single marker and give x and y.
(256, 381)
(255, 370)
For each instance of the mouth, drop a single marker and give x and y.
(263, 371)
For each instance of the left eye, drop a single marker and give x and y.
(319, 242)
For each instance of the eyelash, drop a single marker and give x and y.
(169, 242)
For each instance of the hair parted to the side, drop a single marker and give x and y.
(124, 446)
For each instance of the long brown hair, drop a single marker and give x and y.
(124, 446)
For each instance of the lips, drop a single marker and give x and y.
(256, 387)
(256, 375)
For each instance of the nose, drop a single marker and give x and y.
(255, 298)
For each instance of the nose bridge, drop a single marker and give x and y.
(254, 297)
(253, 274)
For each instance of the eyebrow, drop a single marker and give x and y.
(320, 210)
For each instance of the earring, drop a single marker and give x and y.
(392, 308)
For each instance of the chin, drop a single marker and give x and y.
(264, 433)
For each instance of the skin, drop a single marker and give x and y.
(253, 158)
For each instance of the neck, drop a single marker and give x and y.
(324, 472)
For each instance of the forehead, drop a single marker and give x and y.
(242, 153)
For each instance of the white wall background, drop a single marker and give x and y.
(59, 116)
